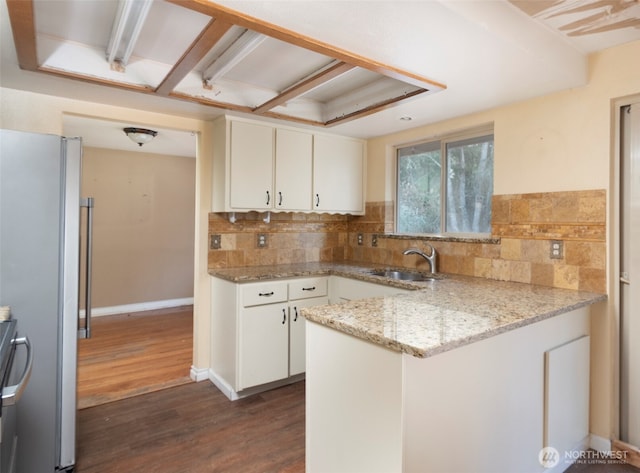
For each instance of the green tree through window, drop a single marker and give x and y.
(458, 201)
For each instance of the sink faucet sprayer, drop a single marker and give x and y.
(432, 258)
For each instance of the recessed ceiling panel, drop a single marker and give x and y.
(276, 65)
(200, 51)
(168, 32)
(85, 22)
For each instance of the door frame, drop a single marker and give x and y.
(614, 255)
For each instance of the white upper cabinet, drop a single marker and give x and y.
(251, 166)
(257, 166)
(294, 168)
(338, 174)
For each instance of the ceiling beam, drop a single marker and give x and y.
(371, 109)
(211, 34)
(215, 10)
(24, 33)
(305, 85)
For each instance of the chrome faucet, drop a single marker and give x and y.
(432, 258)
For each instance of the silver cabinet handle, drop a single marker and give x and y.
(279, 198)
(317, 200)
(265, 294)
(295, 310)
(12, 394)
(268, 198)
(284, 316)
(309, 288)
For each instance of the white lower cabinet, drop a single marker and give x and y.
(264, 344)
(297, 335)
(257, 332)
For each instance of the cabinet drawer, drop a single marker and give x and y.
(306, 288)
(264, 293)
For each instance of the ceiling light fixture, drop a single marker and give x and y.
(126, 29)
(140, 135)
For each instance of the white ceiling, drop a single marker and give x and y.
(99, 133)
(487, 52)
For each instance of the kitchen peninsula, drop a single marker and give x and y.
(465, 375)
(454, 374)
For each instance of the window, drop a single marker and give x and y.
(455, 201)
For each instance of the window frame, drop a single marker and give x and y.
(444, 140)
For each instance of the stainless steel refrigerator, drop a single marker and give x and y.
(40, 254)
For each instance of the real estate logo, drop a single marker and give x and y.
(549, 457)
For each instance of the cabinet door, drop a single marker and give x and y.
(297, 335)
(293, 170)
(251, 166)
(264, 344)
(338, 173)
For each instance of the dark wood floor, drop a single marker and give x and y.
(135, 353)
(141, 413)
(194, 428)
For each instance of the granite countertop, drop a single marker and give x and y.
(437, 316)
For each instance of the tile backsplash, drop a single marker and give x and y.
(523, 226)
(290, 238)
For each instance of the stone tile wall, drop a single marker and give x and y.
(291, 238)
(523, 226)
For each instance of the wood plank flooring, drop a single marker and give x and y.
(141, 412)
(194, 428)
(132, 354)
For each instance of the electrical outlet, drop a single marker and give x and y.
(374, 240)
(215, 242)
(557, 249)
(360, 239)
(262, 240)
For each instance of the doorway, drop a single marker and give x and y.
(143, 257)
(630, 274)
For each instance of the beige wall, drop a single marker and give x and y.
(41, 113)
(143, 225)
(559, 142)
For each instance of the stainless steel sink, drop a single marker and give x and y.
(404, 275)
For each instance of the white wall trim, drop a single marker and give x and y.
(198, 374)
(138, 307)
(222, 385)
(600, 444)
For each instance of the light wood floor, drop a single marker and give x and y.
(133, 354)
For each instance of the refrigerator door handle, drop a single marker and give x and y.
(86, 331)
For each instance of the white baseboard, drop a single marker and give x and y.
(599, 444)
(198, 374)
(222, 385)
(138, 307)
(234, 395)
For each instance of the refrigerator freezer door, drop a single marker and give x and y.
(35, 280)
